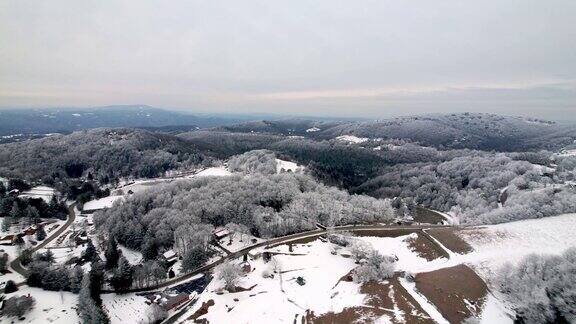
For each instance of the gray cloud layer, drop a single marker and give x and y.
(370, 58)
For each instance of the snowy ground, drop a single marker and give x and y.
(212, 172)
(144, 184)
(102, 203)
(495, 245)
(271, 301)
(125, 308)
(275, 300)
(352, 139)
(287, 166)
(50, 307)
(133, 257)
(43, 192)
(407, 260)
(232, 242)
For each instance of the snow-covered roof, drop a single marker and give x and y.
(220, 232)
(169, 254)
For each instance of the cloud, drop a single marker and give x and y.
(367, 57)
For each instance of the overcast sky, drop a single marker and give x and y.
(343, 58)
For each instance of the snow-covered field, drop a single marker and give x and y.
(50, 307)
(494, 245)
(287, 166)
(232, 242)
(102, 203)
(133, 257)
(43, 192)
(352, 139)
(407, 260)
(280, 299)
(125, 308)
(273, 300)
(212, 172)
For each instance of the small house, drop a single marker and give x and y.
(170, 255)
(8, 240)
(220, 232)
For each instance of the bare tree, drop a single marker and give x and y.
(360, 250)
(230, 274)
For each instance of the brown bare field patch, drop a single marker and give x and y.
(457, 292)
(383, 232)
(448, 237)
(203, 310)
(423, 247)
(424, 215)
(382, 298)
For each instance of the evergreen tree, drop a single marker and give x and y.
(112, 254)
(6, 223)
(89, 310)
(15, 212)
(96, 280)
(47, 257)
(122, 278)
(90, 253)
(193, 259)
(3, 261)
(32, 214)
(76, 279)
(10, 287)
(40, 233)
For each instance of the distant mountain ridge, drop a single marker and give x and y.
(458, 130)
(67, 120)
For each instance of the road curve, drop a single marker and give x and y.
(17, 266)
(281, 240)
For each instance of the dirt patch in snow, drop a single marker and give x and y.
(383, 299)
(358, 314)
(449, 238)
(424, 215)
(457, 292)
(423, 247)
(384, 233)
(203, 310)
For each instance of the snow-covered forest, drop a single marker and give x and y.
(268, 205)
(155, 201)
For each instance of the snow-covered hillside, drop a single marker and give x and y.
(495, 245)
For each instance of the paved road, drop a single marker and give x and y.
(17, 266)
(283, 240)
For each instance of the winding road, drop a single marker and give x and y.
(16, 265)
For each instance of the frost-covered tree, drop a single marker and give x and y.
(360, 250)
(194, 258)
(542, 288)
(257, 161)
(229, 273)
(375, 268)
(18, 306)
